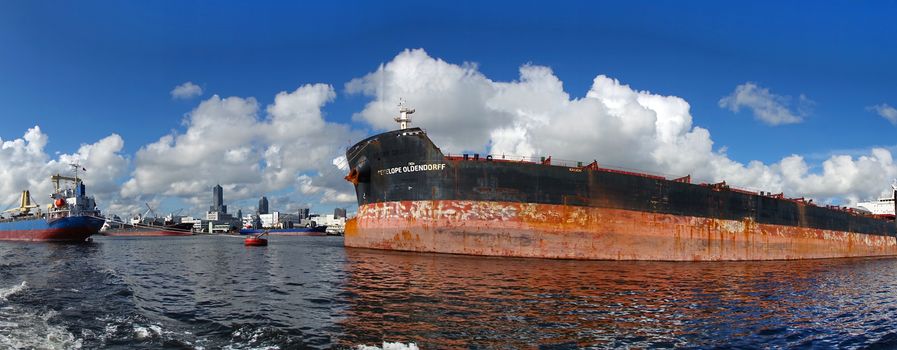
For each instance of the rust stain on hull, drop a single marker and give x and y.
(569, 232)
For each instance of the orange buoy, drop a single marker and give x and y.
(59, 202)
(255, 241)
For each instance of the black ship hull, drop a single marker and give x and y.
(413, 197)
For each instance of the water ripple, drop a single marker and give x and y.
(309, 292)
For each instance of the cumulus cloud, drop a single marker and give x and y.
(341, 163)
(769, 108)
(186, 91)
(885, 111)
(327, 190)
(25, 165)
(289, 149)
(464, 110)
(229, 142)
(438, 86)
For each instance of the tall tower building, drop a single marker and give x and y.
(263, 205)
(217, 214)
(218, 200)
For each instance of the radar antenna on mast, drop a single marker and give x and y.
(76, 167)
(403, 119)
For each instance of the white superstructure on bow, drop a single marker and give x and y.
(883, 206)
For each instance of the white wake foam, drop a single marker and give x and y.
(250, 340)
(6, 292)
(27, 330)
(151, 331)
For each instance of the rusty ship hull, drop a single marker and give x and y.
(412, 197)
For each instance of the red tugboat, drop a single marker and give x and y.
(256, 241)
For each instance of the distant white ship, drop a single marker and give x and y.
(883, 206)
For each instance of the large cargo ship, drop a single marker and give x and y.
(146, 225)
(299, 231)
(72, 216)
(413, 197)
(149, 229)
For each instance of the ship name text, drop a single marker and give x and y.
(411, 168)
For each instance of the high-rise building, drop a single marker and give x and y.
(218, 200)
(217, 214)
(303, 213)
(263, 205)
(339, 213)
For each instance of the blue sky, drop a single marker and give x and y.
(84, 70)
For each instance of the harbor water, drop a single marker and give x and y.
(211, 292)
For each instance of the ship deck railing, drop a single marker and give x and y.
(594, 165)
(548, 161)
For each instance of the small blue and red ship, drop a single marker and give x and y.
(72, 216)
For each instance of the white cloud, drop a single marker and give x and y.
(25, 165)
(228, 142)
(769, 108)
(341, 163)
(438, 86)
(186, 90)
(290, 149)
(328, 194)
(885, 111)
(464, 110)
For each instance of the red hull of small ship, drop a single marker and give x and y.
(146, 233)
(47, 235)
(182, 229)
(570, 232)
(298, 234)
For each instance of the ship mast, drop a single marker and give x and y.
(56, 178)
(75, 166)
(403, 119)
